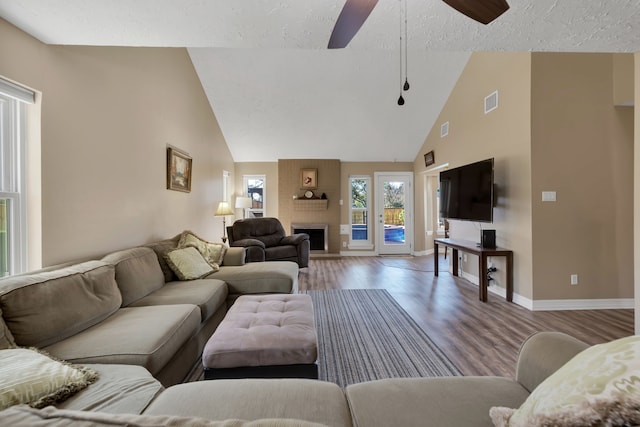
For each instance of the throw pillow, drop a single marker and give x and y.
(188, 264)
(213, 253)
(599, 386)
(34, 378)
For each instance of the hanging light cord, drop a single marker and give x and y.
(406, 50)
(400, 99)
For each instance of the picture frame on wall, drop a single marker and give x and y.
(429, 158)
(309, 179)
(179, 165)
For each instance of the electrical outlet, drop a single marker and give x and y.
(344, 244)
(464, 257)
(574, 279)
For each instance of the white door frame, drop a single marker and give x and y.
(396, 249)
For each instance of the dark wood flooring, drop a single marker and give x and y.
(480, 338)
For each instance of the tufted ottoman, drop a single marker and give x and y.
(264, 336)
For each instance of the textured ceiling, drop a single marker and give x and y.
(278, 93)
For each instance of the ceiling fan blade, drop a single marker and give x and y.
(483, 11)
(351, 18)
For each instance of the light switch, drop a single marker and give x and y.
(548, 196)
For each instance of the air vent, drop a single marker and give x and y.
(491, 102)
(444, 129)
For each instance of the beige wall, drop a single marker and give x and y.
(270, 171)
(623, 86)
(503, 134)
(556, 129)
(367, 169)
(328, 183)
(582, 148)
(108, 115)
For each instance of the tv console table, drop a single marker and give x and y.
(483, 254)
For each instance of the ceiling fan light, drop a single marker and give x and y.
(483, 11)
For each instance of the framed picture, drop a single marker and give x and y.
(178, 170)
(429, 158)
(309, 179)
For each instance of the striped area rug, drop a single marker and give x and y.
(364, 334)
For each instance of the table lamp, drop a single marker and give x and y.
(223, 210)
(243, 203)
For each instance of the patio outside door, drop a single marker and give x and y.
(394, 212)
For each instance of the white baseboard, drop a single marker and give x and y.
(423, 253)
(555, 305)
(358, 253)
(583, 304)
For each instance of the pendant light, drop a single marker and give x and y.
(404, 86)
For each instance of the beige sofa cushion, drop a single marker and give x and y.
(208, 294)
(138, 273)
(446, 401)
(143, 336)
(254, 399)
(260, 277)
(20, 416)
(161, 248)
(119, 389)
(6, 338)
(43, 308)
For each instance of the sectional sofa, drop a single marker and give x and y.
(129, 307)
(553, 366)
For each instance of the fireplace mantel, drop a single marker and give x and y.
(310, 204)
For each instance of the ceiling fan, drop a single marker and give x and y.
(355, 12)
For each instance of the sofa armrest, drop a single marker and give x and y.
(544, 353)
(248, 242)
(234, 256)
(294, 239)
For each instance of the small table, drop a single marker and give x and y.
(483, 254)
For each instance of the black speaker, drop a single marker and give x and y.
(488, 239)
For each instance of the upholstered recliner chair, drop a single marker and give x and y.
(266, 240)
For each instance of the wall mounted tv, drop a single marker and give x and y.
(466, 192)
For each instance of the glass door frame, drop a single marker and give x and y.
(394, 249)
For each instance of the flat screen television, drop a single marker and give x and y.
(466, 192)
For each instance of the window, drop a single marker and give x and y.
(254, 188)
(225, 185)
(13, 236)
(360, 211)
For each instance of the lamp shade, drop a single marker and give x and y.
(223, 209)
(243, 202)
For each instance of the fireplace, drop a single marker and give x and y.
(318, 235)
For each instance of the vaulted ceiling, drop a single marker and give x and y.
(278, 93)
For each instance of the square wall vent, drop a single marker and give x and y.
(491, 102)
(444, 129)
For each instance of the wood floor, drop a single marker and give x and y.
(480, 338)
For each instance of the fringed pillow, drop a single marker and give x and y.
(598, 387)
(213, 253)
(29, 376)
